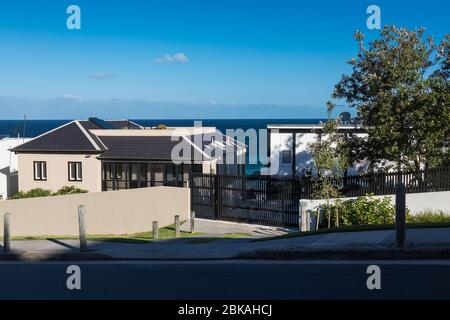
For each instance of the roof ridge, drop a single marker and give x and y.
(196, 147)
(88, 136)
(98, 137)
(125, 119)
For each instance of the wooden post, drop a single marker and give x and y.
(337, 216)
(177, 226)
(6, 232)
(400, 214)
(329, 218)
(192, 221)
(82, 228)
(155, 230)
(318, 218)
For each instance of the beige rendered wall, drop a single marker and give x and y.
(57, 171)
(111, 212)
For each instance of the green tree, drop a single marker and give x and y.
(403, 105)
(330, 158)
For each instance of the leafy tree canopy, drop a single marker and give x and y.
(399, 86)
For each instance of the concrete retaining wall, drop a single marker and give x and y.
(111, 212)
(416, 202)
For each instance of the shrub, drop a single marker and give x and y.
(363, 210)
(39, 192)
(33, 193)
(69, 190)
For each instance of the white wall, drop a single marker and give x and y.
(278, 143)
(303, 158)
(8, 164)
(415, 202)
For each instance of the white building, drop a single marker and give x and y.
(288, 147)
(8, 166)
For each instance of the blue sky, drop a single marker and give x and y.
(186, 59)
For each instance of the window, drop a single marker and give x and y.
(286, 157)
(75, 171)
(119, 171)
(40, 170)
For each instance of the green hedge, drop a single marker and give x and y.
(33, 193)
(39, 192)
(69, 190)
(365, 210)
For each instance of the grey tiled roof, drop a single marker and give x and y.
(144, 148)
(77, 137)
(68, 138)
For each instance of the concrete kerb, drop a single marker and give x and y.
(349, 254)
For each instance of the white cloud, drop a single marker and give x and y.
(177, 57)
(100, 75)
(72, 97)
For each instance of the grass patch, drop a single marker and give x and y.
(165, 233)
(431, 216)
(357, 228)
(222, 237)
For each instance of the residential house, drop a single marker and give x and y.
(288, 147)
(8, 166)
(99, 155)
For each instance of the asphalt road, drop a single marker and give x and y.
(226, 280)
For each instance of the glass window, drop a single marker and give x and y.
(286, 157)
(40, 170)
(75, 171)
(197, 168)
(119, 171)
(134, 171)
(158, 172)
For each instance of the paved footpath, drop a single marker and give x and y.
(436, 240)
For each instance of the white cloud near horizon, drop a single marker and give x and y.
(100, 75)
(168, 58)
(72, 97)
(72, 106)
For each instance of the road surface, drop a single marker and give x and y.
(232, 279)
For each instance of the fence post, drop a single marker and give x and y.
(318, 218)
(304, 218)
(177, 226)
(82, 228)
(6, 232)
(400, 214)
(216, 196)
(192, 221)
(155, 230)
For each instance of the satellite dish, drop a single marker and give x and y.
(345, 117)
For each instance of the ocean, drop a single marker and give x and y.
(33, 128)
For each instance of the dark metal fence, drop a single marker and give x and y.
(250, 199)
(430, 180)
(274, 200)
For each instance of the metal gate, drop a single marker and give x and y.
(263, 200)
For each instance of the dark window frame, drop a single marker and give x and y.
(147, 172)
(77, 169)
(283, 152)
(43, 168)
